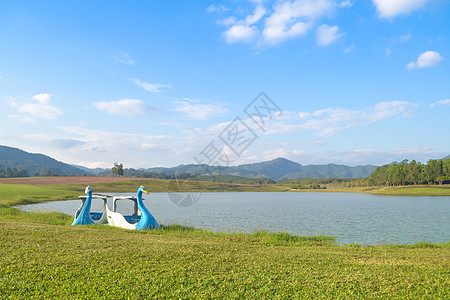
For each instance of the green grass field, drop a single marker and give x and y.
(42, 256)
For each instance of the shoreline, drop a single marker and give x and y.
(125, 184)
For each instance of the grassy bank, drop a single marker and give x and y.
(15, 194)
(421, 190)
(41, 256)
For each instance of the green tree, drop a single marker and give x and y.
(446, 168)
(117, 169)
(380, 176)
(413, 171)
(439, 171)
(432, 170)
(399, 174)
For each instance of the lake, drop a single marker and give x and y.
(351, 218)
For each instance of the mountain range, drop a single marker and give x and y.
(35, 163)
(278, 168)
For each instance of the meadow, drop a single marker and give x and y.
(42, 256)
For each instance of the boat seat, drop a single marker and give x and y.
(136, 211)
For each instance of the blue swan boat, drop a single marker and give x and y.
(141, 219)
(84, 216)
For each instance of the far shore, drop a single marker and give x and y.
(125, 184)
(407, 190)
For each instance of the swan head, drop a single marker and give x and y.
(88, 189)
(143, 189)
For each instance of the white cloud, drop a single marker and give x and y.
(412, 150)
(125, 59)
(12, 101)
(150, 87)
(39, 110)
(125, 107)
(60, 143)
(258, 13)
(286, 20)
(381, 157)
(392, 8)
(243, 30)
(327, 35)
(214, 8)
(23, 118)
(1, 77)
(346, 3)
(355, 156)
(228, 21)
(94, 164)
(30, 111)
(240, 33)
(288, 122)
(294, 155)
(292, 19)
(387, 52)
(426, 59)
(106, 147)
(38, 137)
(277, 33)
(329, 121)
(389, 109)
(42, 98)
(101, 148)
(440, 103)
(196, 110)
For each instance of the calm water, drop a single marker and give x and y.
(352, 218)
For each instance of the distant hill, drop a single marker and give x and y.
(332, 171)
(35, 163)
(95, 171)
(447, 157)
(276, 169)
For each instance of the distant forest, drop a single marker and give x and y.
(436, 171)
(129, 172)
(13, 172)
(8, 172)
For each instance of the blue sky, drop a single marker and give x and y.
(159, 83)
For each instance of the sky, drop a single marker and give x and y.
(163, 83)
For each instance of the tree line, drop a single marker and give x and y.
(13, 173)
(118, 170)
(9, 172)
(435, 171)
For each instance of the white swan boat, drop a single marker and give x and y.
(141, 219)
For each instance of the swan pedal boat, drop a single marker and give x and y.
(141, 219)
(84, 215)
